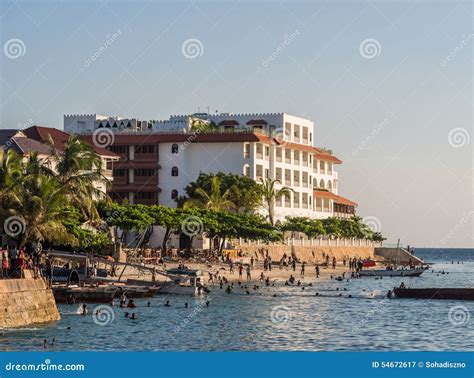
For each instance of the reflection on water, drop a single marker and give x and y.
(275, 318)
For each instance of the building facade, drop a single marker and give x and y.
(160, 158)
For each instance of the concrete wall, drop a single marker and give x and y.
(310, 254)
(26, 301)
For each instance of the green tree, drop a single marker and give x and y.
(78, 169)
(212, 198)
(271, 194)
(244, 193)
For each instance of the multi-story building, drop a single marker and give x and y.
(37, 138)
(159, 158)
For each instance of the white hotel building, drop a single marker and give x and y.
(160, 158)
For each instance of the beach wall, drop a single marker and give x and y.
(26, 301)
(309, 254)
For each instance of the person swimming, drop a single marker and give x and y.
(167, 304)
(84, 309)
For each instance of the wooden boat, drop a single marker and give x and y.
(92, 294)
(135, 291)
(466, 294)
(183, 285)
(416, 272)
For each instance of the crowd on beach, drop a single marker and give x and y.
(15, 261)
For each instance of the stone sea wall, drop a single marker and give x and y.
(26, 301)
(309, 254)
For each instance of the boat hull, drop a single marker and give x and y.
(466, 294)
(172, 288)
(391, 273)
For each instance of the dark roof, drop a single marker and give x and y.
(26, 145)
(6, 135)
(257, 122)
(229, 122)
(41, 133)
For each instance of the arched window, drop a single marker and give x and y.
(321, 184)
(174, 171)
(174, 148)
(174, 194)
(330, 185)
(315, 183)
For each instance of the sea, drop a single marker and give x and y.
(326, 316)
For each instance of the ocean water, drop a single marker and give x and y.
(279, 318)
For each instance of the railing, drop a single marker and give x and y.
(318, 242)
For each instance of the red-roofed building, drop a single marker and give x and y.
(160, 158)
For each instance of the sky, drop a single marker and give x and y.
(387, 84)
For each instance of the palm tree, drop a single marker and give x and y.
(271, 194)
(39, 203)
(212, 200)
(78, 168)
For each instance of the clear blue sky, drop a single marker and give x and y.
(388, 118)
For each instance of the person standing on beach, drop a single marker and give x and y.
(231, 267)
(293, 264)
(240, 271)
(302, 269)
(249, 277)
(334, 262)
(317, 270)
(269, 263)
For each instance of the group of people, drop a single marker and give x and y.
(14, 261)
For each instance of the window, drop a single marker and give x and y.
(119, 172)
(267, 151)
(246, 150)
(144, 172)
(321, 184)
(322, 167)
(247, 170)
(174, 171)
(174, 149)
(174, 194)
(330, 185)
(121, 150)
(145, 149)
(144, 195)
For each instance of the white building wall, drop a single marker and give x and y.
(193, 159)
